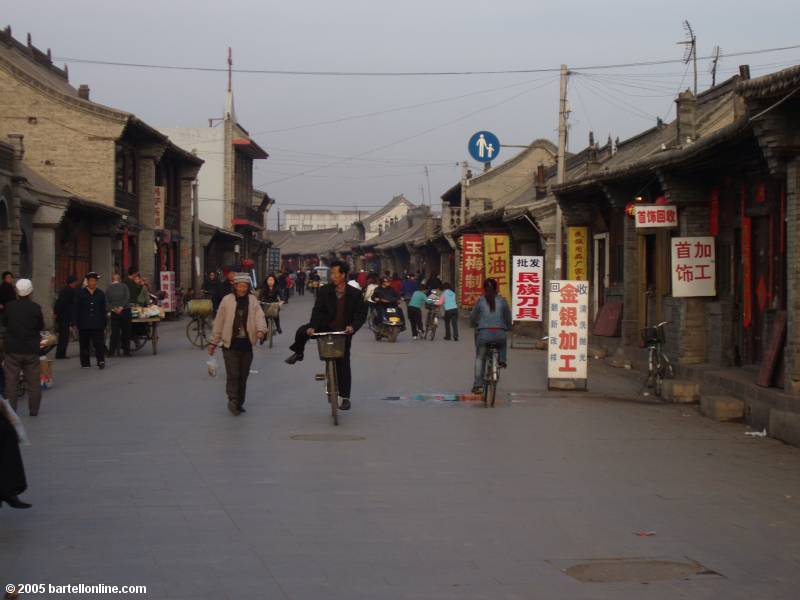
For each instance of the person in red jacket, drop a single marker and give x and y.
(397, 284)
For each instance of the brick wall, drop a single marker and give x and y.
(792, 355)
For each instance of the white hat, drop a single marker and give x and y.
(355, 284)
(24, 287)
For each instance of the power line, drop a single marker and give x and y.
(646, 63)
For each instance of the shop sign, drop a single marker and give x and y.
(578, 253)
(167, 281)
(471, 269)
(568, 341)
(693, 267)
(159, 199)
(497, 261)
(654, 215)
(527, 288)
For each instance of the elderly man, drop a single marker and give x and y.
(239, 324)
(90, 316)
(24, 322)
(118, 297)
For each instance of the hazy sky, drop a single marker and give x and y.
(414, 35)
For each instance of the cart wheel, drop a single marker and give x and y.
(154, 338)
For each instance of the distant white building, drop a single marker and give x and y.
(380, 221)
(312, 220)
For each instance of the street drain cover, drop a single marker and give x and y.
(635, 570)
(327, 437)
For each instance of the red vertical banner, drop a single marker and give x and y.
(713, 212)
(747, 267)
(471, 269)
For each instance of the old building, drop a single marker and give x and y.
(137, 181)
(308, 220)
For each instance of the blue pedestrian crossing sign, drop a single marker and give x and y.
(484, 146)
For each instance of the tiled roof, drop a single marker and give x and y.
(772, 84)
(394, 202)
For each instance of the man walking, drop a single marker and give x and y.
(213, 289)
(118, 297)
(24, 322)
(239, 324)
(90, 315)
(338, 307)
(301, 283)
(64, 312)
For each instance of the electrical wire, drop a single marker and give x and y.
(646, 63)
(619, 104)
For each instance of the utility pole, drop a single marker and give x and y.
(279, 219)
(561, 175)
(428, 177)
(463, 220)
(198, 273)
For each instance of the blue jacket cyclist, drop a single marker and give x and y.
(491, 317)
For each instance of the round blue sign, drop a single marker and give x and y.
(484, 146)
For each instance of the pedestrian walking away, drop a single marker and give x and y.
(491, 318)
(338, 307)
(239, 324)
(64, 314)
(415, 305)
(12, 471)
(118, 298)
(24, 323)
(450, 305)
(90, 316)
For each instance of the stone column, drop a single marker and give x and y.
(185, 247)
(147, 178)
(630, 288)
(44, 269)
(792, 351)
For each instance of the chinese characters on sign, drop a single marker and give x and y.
(158, 206)
(693, 267)
(655, 215)
(577, 253)
(568, 342)
(527, 288)
(471, 269)
(497, 261)
(168, 285)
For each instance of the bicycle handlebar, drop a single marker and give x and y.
(321, 333)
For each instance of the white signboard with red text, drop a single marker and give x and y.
(656, 215)
(527, 288)
(693, 267)
(568, 345)
(168, 286)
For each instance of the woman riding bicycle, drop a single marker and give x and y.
(270, 293)
(491, 318)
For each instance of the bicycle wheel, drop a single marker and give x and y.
(195, 332)
(658, 374)
(332, 387)
(490, 379)
(393, 335)
(270, 331)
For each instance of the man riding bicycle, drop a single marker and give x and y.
(491, 318)
(338, 307)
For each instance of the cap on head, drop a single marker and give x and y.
(241, 278)
(24, 287)
(92, 275)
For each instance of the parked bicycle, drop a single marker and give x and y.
(659, 366)
(491, 374)
(331, 346)
(271, 312)
(198, 330)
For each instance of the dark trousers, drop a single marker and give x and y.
(63, 339)
(120, 331)
(237, 369)
(31, 369)
(95, 337)
(12, 472)
(343, 373)
(415, 316)
(301, 288)
(451, 320)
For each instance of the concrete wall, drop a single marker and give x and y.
(312, 220)
(209, 144)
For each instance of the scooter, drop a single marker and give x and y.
(390, 323)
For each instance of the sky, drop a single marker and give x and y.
(423, 120)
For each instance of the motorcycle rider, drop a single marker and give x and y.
(384, 297)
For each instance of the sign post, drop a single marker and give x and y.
(167, 281)
(568, 341)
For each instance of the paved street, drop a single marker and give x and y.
(139, 475)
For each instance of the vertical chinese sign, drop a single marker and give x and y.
(159, 200)
(693, 267)
(568, 345)
(471, 269)
(578, 253)
(167, 281)
(527, 288)
(497, 261)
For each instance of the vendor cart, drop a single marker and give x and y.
(144, 329)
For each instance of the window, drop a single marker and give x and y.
(125, 169)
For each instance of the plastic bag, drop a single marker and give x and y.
(212, 366)
(13, 418)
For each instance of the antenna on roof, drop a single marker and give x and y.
(715, 56)
(690, 53)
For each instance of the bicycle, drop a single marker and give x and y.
(491, 374)
(431, 322)
(659, 366)
(271, 312)
(198, 330)
(331, 346)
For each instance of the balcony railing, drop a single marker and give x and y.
(248, 213)
(128, 201)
